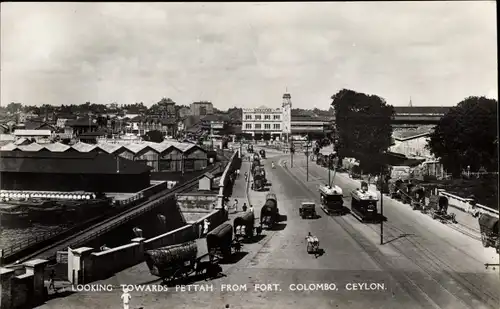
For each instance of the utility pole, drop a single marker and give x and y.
(307, 160)
(329, 164)
(292, 150)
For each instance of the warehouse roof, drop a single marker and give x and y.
(83, 147)
(31, 147)
(57, 147)
(441, 110)
(106, 147)
(68, 163)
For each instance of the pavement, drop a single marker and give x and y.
(422, 263)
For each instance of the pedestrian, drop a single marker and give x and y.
(238, 173)
(251, 208)
(52, 277)
(235, 205)
(206, 226)
(244, 207)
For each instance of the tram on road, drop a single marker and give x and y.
(331, 199)
(364, 203)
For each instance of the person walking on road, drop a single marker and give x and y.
(235, 205)
(238, 173)
(251, 208)
(52, 278)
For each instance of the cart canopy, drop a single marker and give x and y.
(220, 237)
(271, 196)
(171, 255)
(247, 220)
(489, 222)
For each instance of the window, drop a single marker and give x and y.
(276, 126)
(248, 126)
(276, 117)
(267, 117)
(257, 125)
(258, 117)
(203, 110)
(248, 117)
(267, 126)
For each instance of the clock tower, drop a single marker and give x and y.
(287, 115)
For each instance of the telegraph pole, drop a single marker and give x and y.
(292, 150)
(307, 160)
(329, 164)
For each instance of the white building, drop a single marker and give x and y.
(276, 122)
(262, 120)
(411, 144)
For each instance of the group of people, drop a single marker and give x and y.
(244, 207)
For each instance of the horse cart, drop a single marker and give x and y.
(244, 226)
(489, 231)
(177, 262)
(269, 213)
(220, 242)
(307, 210)
(438, 209)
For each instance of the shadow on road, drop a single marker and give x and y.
(399, 237)
(254, 239)
(60, 294)
(283, 218)
(278, 227)
(234, 258)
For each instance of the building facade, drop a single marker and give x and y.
(202, 108)
(261, 121)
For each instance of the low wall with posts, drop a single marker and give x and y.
(24, 286)
(465, 205)
(24, 290)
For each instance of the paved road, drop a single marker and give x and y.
(433, 267)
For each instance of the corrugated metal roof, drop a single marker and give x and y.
(83, 147)
(135, 148)
(421, 109)
(31, 147)
(57, 147)
(8, 147)
(68, 163)
(32, 132)
(109, 148)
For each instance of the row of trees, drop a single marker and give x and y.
(465, 138)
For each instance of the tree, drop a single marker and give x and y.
(154, 136)
(465, 136)
(363, 127)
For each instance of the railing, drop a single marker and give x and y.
(144, 207)
(482, 208)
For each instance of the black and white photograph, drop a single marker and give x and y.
(249, 155)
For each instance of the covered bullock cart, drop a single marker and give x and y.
(244, 225)
(488, 225)
(269, 213)
(172, 262)
(219, 241)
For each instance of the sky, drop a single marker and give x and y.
(247, 54)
